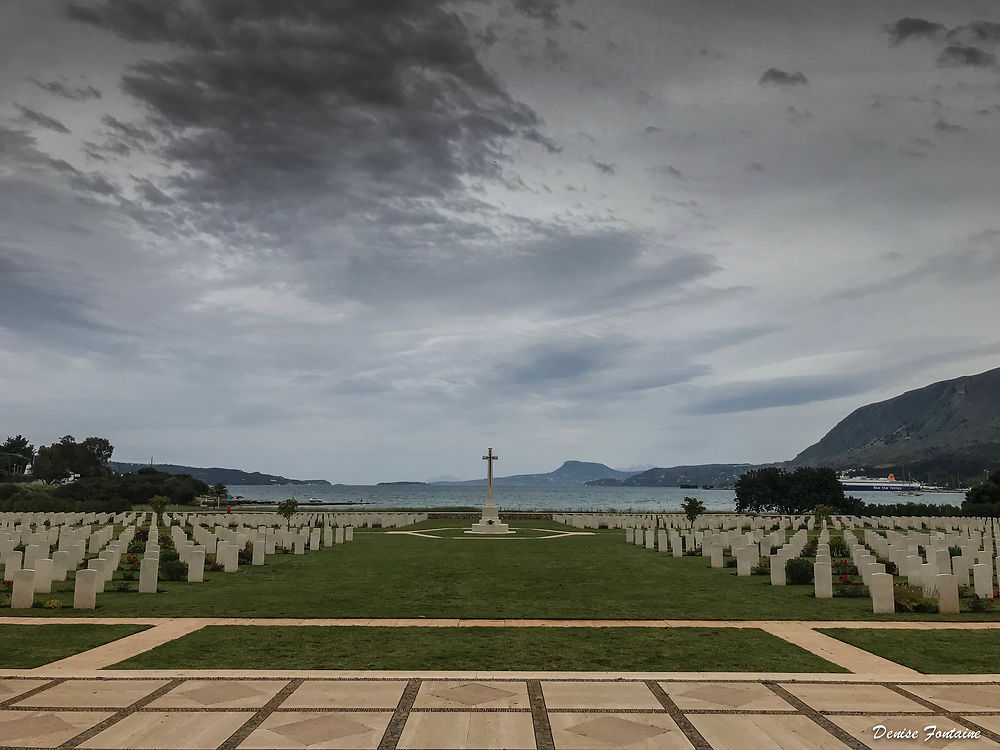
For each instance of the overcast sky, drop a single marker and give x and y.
(364, 241)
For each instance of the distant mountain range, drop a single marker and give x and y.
(228, 477)
(944, 433)
(571, 473)
(700, 475)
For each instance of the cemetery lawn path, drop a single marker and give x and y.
(29, 646)
(929, 651)
(470, 648)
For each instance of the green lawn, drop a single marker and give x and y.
(551, 649)
(28, 646)
(930, 651)
(385, 575)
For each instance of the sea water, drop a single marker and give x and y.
(587, 499)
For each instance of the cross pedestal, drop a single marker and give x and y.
(489, 522)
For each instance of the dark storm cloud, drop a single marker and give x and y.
(85, 182)
(32, 305)
(42, 120)
(913, 28)
(150, 193)
(976, 32)
(976, 259)
(790, 391)
(604, 167)
(776, 77)
(965, 57)
(273, 113)
(943, 126)
(129, 130)
(68, 91)
(560, 362)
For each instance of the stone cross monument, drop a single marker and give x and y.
(490, 522)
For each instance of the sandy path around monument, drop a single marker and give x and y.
(800, 633)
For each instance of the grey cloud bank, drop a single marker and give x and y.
(301, 238)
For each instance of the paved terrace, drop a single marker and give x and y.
(78, 703)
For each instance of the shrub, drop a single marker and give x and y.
(839, 548)
(729, 562)
(979, 603)
(955, 551)
(53, 604)
(123, 586)
(798, 571)
(172, 570)
(809, 550)
(844, 568)
(912, 599)
(762, 568)
(846, 586)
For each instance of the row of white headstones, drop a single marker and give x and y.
(937, 572)
(76, 540)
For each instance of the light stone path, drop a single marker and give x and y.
(78, 703)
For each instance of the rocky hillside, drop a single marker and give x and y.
(950, 423)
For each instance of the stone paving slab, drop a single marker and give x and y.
(540, 711)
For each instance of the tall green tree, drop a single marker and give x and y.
(100, 448)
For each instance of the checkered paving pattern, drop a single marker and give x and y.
(548, 714)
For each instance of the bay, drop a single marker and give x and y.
(564, 499)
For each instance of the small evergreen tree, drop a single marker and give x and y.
(159, 504)
(288, 507)
(693, 507)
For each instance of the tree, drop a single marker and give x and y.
(984, 493)
(219, 491)
(288, 507)
(761, 490)
(693, 507)
(16, 454)
(822, 513)
(775, 490)
(60, 460)
(159, 504)
(100, 448)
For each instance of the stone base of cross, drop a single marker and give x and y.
(489, 522)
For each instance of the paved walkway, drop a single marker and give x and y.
(78, 703)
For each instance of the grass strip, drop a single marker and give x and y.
(474, 648)
(929, 651)
(28, 646)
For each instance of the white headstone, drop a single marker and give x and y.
(823, 580)
(947, 594)
(196, 564)
(23, 593)
(43, 576)
(148, 571)
(880, 587)
(85, 589)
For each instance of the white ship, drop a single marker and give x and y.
(889, 484)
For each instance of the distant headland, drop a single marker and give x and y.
(214, 475)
